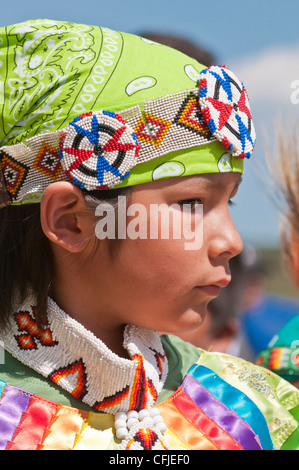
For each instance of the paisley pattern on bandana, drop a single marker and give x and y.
(52, 79)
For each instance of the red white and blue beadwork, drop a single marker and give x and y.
(225, 106)
(98, 149)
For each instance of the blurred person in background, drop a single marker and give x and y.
(183, 45)
(264, 313)
(282, 353)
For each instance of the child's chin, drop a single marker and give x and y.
(193, 319)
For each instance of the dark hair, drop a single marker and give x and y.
(229, 304)
(183, 45)
(25, 259)
(26, 266)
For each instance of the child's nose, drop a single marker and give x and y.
(227, 241)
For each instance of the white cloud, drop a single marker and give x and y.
(268, 77)
(271, 76)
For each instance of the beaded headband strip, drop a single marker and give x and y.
(98, 149)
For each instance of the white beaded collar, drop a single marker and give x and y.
(73, 358)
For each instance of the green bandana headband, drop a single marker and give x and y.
(282, 354)
(105, 109)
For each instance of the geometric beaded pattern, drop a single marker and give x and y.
(14, 173)
(98, 149)
(30, 334)
(47, 161)
(172, 123)
(75, 369)
(225, 107)
(144, 438)
(74, 359)
(28, 169)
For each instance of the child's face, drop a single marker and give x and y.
(158, 283)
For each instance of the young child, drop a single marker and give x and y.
(282, 354)
(94, 119)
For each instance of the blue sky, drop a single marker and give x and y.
(257, 39)
(230, 28)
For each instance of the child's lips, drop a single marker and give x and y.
(212, 290)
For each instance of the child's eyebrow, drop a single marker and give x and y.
(222, 184)
(193, 184)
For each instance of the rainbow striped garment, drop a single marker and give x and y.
(205, 412)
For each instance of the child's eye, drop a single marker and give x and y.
(191, 202)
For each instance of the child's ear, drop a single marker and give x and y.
(64, 218)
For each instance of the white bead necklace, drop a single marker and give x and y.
(148, 419)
